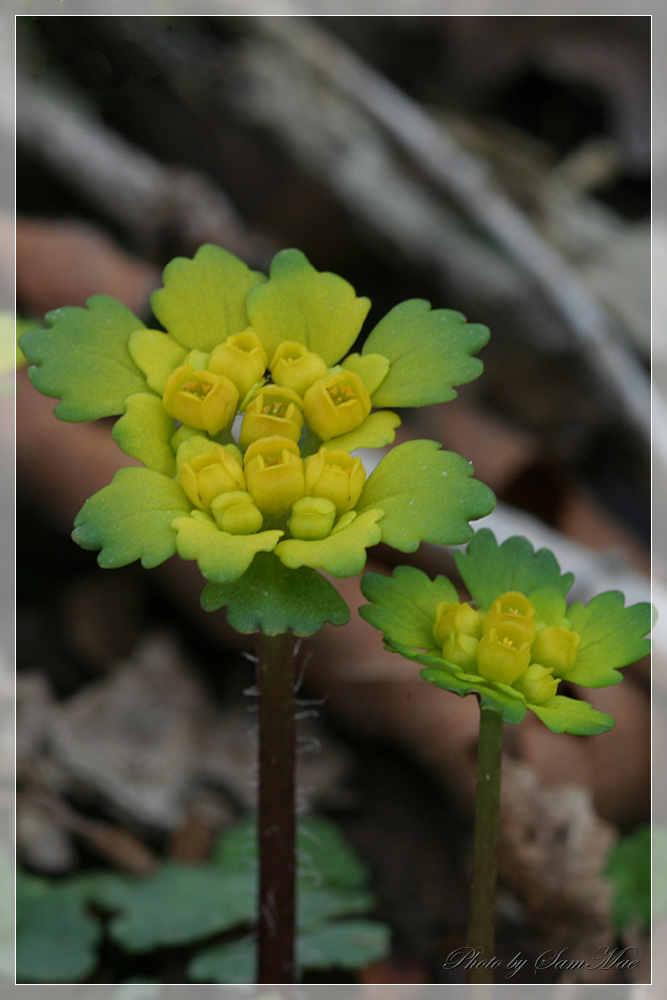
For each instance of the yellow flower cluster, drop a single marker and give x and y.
(265, 479)
(505, 644)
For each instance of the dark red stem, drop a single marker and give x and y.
(276, 821)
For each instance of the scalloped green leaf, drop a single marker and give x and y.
(550, 607)
(489, 569)
(340, 554)
(377, 430)
(156, 354)
(318, 904)
(144, 432)
(323, 858)
(82, 359)
(221, 557)
(315, 308)
(568, 715)
(511, 707)
(612, 636)
(203, 300)
(429, 352)
(56, 939)
(345, 944)
(181, 904)
(271, 598)
(427, 495)
(403, 604)
(131, 519)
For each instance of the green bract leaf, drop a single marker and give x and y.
(318, 309)
(345, 944)
(144, 431)
(499, 698)
(55, 938)
(371, 369)
(567, 715)
(221, 557)
(181, 904)
(611, 637)
(429, 351)
(131, 519)
(341, 554)
(204, 299)
(489, 569)
(83, 359)
(404, 604)
(157, 355)
(550, 607)
(272, 599)
(427, 495)
(377, 430)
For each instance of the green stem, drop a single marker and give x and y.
(485, 862)
(276, 820)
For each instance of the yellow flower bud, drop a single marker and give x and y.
(503, 653)
(295, 367)
(556, 648)
(461, 649)
(236, 513)
(312, 518)
(537, 684)
(209, 474)
(336, 404)
(335, 475)
(200, 399)
(241, 358)
(274, 474)
(512, 607)
(273, 411)
(452, 616)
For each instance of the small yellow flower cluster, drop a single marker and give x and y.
(264, 479)
(504, 644)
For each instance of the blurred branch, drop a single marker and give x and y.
(157, 205)
(466, 179)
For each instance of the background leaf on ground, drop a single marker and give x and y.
(628, 868)
(56, 939)
(346, 944)
(179, 905)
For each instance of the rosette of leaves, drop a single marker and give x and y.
(517, 640)
(245, 412)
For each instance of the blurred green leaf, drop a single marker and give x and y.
(233, 962)
(179, 905)
(628, 868)
(324, 858)
(56, 939)
(346, 944)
